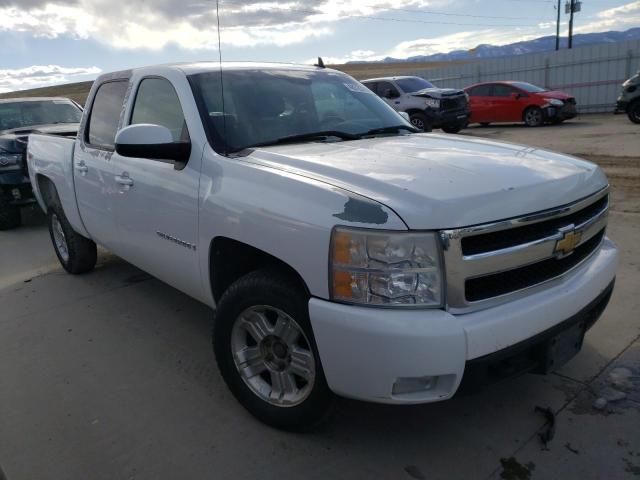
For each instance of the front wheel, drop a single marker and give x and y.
(533, 117)
(76, 253)
(9, 215)
(634, 112)
(419, 120)
(266, 353)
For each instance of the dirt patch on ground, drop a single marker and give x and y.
(624, 177)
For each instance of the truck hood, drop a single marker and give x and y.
(442, 181)
(15, 140)
(438, 93)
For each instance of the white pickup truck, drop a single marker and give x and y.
(344, 253)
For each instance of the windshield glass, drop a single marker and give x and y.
(263, 106)
(38, 112)
(527, 87)
(413, 84)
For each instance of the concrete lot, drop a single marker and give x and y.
(111, 376)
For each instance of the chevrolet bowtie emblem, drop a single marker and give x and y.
(567, 243)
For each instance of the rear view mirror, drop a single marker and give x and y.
(388, 93)
(154, 142)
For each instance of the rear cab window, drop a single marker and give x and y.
(104, 117)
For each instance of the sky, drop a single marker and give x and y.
(49, 42)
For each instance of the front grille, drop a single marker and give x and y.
(510, 281)
(488, 264)
(570, 101)
(489, 242)
(453, 103)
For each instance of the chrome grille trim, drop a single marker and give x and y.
(460, 267)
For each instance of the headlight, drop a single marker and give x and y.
(555, 102)
(10, 161)
(396, 269)
(432, 102)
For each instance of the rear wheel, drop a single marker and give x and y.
(9, 215)
(266, 353)
(76, 253)
(533, 117)
(634, 112)
(419, 120)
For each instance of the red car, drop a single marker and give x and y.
(518, 102)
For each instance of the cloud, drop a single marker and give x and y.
(42, 75)
(617, 18)
(153, 24)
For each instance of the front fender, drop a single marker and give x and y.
(285, 215)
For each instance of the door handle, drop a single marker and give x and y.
(124, 180)
(82, 167)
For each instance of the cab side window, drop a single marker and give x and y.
(480, 91)
(105, 114)
(502, 90)
(387, 90)
(157, 103)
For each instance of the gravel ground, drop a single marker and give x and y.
(111, 376)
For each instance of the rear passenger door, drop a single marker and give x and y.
(156, 206)
(92, 163)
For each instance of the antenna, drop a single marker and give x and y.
(320, 63)
(224, 115)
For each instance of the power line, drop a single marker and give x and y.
(400, 20)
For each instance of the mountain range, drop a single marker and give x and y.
(542, 44)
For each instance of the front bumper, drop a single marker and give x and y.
(566, 112)
(366, 351)
(438, 118)
(621, 106)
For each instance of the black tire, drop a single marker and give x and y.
(452, 128)
(533, 117)
(10, 216)
(633, 112)
(272, 289)
(485, 124)
(420, 121)
(81, 253)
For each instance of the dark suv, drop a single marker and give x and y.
(18, 118)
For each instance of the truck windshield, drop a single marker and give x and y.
(37, 112)
(263, 107)
(413, 84)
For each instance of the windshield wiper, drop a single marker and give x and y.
(302, 137)
(392, 129)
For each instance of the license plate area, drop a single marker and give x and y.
(563, 347)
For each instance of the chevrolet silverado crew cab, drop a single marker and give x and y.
(428, 106)
(18, 118)
(343, 252)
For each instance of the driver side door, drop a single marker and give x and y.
(389, 93)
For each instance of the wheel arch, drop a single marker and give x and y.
(230, 259)
(47, 191)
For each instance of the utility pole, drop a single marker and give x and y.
(558, 28)
(571, 7)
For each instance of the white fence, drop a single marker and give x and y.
(593, 73)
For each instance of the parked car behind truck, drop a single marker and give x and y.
(18, 118)
(428, 106)
(496, 102)
(629, 99)
(343, 252)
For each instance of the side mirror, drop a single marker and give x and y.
(405, 115)
(154, 142)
